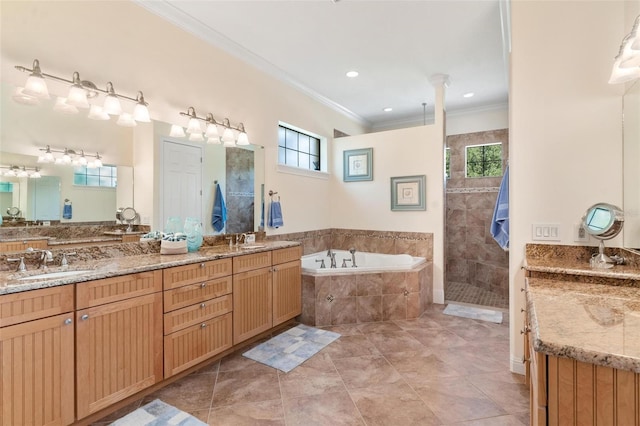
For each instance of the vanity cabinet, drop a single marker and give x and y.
(9, 246)
(37, 348)
(118, 339)
(197, 313)
(287, 285)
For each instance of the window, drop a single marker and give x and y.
(105, 176)
(484, 160)
(298, 149)
(6, 187)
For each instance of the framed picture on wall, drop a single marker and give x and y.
(408, 193)
(358, 165)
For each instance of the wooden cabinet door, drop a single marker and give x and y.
(287, 291)
(252, 303)
(37, 372)
(118, 351)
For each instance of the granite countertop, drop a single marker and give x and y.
(592, 323)
(580, 267)
(111, 267)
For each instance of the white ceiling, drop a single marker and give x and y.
(395, 46)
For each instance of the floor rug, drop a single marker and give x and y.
(288, 350)
(474, 313)
(157, 413)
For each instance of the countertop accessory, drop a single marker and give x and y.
(603, 221)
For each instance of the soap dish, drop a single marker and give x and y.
(173, 247)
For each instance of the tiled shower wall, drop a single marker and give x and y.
(239, 190)
(472, 256)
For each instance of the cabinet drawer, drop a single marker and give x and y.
(186, 348)
(287, 255)
(195, 314)
(25, 306)
(23, 245)
(250, 262)
(188, 274)
(196, 293)
(108, 290)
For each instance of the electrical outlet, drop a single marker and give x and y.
(580, 234)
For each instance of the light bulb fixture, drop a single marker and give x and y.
(177, 131)
(35, 85)
(69, 156)
(126, 120)
(36, 174)
(79, 92)
(62, 106)
(211, 132)
(21, 172)
(20, 97)
(243, 139)
(97, 113)
(140, 111)
(111, 102)
(626, 66)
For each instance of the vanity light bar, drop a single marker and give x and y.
(79, 93)
(195, 130)
(69, 156)
(17, 171)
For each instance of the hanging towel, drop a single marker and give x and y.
(500, 221)
(67, 211)
(275, 215)
(219, 213)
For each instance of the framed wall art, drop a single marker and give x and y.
(358, 165)
(408, 193)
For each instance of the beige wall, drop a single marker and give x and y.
(565, 124)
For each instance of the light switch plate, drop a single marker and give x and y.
(546, 232)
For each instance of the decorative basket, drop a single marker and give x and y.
(173, 247)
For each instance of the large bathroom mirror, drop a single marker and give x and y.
(27, 129)
(631, 162)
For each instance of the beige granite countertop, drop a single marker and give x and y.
(105, 268)
(593, 323)
(579, 267)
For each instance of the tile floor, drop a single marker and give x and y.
(468, 293)
(435, 370)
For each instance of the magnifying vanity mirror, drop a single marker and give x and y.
(603, 221)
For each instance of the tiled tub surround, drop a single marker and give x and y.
(472, 257)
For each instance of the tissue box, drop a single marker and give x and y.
(173, 247)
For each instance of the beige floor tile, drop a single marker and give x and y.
(394, 341)
(344, 329)
(480, 331)
(438, 338)
(350, 346)
(327, 409)
(392, 404)
(505, 389)
(417, 324)
(251, 384)
(365, 371)
(508, 420)
(255, 414)
(379, 327)
(455, 400)
(315, 376)
(419, 367)
(476, 361)
(191, 393)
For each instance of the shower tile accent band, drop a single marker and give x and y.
(472, 190)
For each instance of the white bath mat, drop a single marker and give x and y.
(474, 312)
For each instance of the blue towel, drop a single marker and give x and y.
(500, 221)
(67, 211)
(219, 213)
(275, 215)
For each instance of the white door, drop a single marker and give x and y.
(181, 181)
(44, 198)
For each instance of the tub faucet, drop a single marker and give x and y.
(353, 257)
(332, 255)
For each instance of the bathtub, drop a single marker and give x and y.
(366, 262)
(382, 287)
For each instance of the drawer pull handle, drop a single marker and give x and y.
(203, 325)
(68, 321)
(525, 360)
(84, 317)
(202, 265)
(203, 285)
(523, 310)
(202, 305)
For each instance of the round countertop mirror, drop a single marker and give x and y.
(603, 221)
(128, 214)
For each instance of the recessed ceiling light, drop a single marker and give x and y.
(352, 74)
(468, 95)
(387, 109)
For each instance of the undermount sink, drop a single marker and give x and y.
(252, 246)
(52, 275)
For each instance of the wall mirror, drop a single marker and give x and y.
(631, 160)
(25, 129)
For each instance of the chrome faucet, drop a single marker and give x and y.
(21, 266)
(332, 255)
(353, 257)
(64, 261)
(46, 256)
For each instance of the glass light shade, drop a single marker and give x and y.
(37, 87)
(20, 97)
(48, 157)
(212, 131)
(66, 158)
(82, 160)
(97, 162)
(41, 159)
(62, 106)
(96, 113)
(177, 131)
(126, 120)
(36, 175)
(23, 173)
(10, 172)
(214, 140)
(112, 105)
(196, 137)
(227, 137)
(194, 126)
(77, 97)
(141, 113)
(622, 75)
(243, 139)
